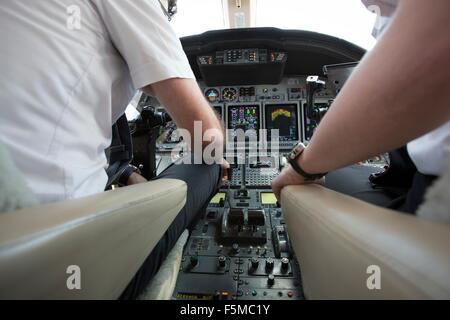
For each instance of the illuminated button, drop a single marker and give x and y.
(290, 294)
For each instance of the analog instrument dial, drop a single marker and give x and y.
(229, 94)
(212, 95)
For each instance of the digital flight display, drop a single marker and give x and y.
(245, 117)
(283, 117)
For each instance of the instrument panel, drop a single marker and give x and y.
(271, 107)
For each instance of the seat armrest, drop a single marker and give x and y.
(108, 236)
(336, 238)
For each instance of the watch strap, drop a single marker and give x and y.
(305, 175)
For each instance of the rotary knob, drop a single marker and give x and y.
(269, 264)
(194, 261)
(222, 261)
(255, 263)
(271, 280)
(235, 248)
(285, 264)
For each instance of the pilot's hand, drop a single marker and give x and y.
(136, 178)
(288, 177)
(225, 167)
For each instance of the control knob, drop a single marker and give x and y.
(285, 264)
(269, 264)
(194, 261)
(271, 280)
(255, 263)
(222, 261)
(235, 248)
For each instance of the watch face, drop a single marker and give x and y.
(298, 149)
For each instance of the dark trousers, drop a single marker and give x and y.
(354, 181)
(202, 182)
(401, 188)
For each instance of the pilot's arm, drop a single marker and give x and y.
(157, 63)
(186, 104)
(400, 92)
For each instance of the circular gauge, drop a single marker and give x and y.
(212, 95)
(229, 94)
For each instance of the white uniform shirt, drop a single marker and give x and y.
(430, 153)
(62, 87)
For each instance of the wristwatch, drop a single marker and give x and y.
(293, 156)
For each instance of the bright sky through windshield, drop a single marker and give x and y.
(346, 19)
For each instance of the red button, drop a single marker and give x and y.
(290, 294)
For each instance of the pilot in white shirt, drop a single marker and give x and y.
(398, 95)
(430, 153)
(68, 70)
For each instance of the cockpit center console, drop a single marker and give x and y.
(240, 248)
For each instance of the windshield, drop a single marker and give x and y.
(346, 19)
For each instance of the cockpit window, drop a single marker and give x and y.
(349, 20)
(198, 16)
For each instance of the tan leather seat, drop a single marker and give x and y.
(108, 236)
(336, 238)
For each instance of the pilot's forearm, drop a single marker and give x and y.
(186, 104)
(400, 91)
